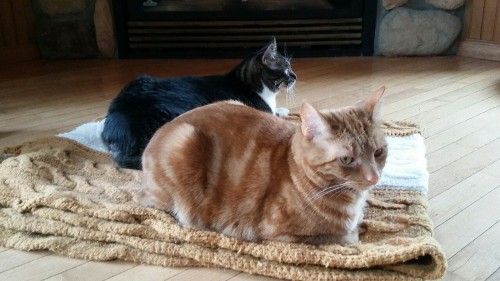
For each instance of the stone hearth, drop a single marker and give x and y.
(418, 27)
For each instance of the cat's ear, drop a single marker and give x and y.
(313, 124)
(269, 57)
(374, 103)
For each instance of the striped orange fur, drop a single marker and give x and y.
(232, 169)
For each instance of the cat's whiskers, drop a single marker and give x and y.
(309, 184)
(329, 190)
(325, 191)
(287, 57)
(293, 95)
(290, 96)
(313, 195)
(308, 179)
(346, 189)
(357, 184)
(336, 190)
(349, 187)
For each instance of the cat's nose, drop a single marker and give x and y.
(371, 175)
(291, 79)
(373, 178)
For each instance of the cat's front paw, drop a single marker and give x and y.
(282, 112)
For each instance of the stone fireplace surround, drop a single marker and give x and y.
(67, 29)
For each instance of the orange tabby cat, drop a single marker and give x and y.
(232, 169)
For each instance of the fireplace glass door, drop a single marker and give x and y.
(230, 28)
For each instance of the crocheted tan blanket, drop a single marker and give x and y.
(58, 195)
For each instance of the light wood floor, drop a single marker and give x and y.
(456, 100)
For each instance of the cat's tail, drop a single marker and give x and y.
(123, 149)
(125, 159)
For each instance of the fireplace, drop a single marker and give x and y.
(231, 28)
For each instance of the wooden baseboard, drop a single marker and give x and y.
(18, 53)
(479, 49)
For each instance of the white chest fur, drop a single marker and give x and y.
(270, 98)
(357, 211)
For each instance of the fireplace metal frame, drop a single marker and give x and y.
(130, 20)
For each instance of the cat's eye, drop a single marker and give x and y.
(378, 152)
(346, 160)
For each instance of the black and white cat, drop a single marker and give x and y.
(147, 103)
